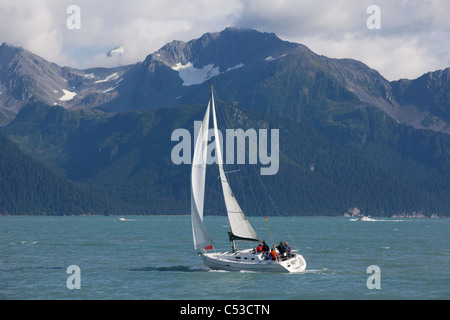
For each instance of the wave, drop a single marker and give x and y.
(29, 242)
(377, 220)
(22, 269)
(365, 219)
(177, 268)
(318, 271)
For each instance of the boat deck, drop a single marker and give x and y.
(247, 260)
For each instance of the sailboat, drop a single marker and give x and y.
(240, 227)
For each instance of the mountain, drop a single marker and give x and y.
(177, 73)
(25, 77)
(253, 70)
(430, 93)
(261, 72)
(348, 137)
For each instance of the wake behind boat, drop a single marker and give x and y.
(240, 227)
(364, 218)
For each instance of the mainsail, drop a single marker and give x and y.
(241, 228)
(198, 174)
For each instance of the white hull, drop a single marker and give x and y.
(364, 218)
(247, 261)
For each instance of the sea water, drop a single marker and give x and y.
(152, 257)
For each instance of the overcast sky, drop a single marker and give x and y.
(414, 37)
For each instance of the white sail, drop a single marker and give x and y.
(241, 228)
(200, 234)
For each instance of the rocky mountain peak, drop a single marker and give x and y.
(255, 70)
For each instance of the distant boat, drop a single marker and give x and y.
(240, 227)
(125, 219)
(364, 218)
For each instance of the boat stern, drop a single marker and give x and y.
(294, 264)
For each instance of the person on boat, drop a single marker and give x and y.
(281, 248)
(265, 247)
(259, 248)
(288, 248)
(273, 254)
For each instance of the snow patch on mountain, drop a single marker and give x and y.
(67, 95)
(270, 58)
(240, 65)
(111, 77)
(109, 89)
(191, 75)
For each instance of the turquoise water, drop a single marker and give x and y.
(152, 257)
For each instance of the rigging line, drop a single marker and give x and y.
(246, 172)
(260, 180)
(222, 110)
(227, 123)
(233, 171)
(273, 242)
(229, 172)
(276, 210)
(226, 120)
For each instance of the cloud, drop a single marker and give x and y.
(142, 27)
(413, 38)
(32, 25)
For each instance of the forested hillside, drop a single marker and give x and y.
(383, 168)
(27, 187)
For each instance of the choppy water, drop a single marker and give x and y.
(152, 257)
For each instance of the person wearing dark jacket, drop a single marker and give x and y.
(265, 247)
(281, 248)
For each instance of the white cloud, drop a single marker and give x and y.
(142, 27)
(393, 57)
(32, 25)
(413, 38)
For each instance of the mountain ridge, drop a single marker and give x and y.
(26, 77)
(237, 60)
